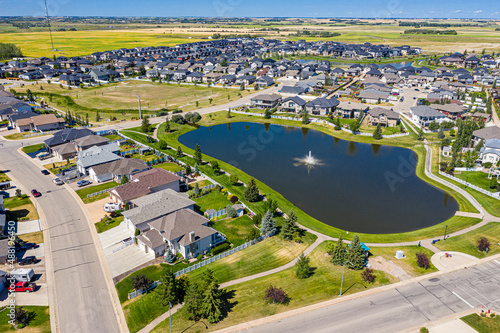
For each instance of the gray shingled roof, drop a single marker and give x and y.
(426, 111)
(120, 167)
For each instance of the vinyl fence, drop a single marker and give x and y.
(217, 214)
(136, 293)
(100, 192)
(467, 184)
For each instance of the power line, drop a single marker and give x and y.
(48, 22)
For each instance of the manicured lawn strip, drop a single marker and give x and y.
(455, 222)
(4, 177)
(248, 303)
(236, 230)
(481, 324)
(103, 226)
(34, 237)
(201, 183)
(93, 189)
(409, 262)
(19, 207)
(213, 200)
(169, 166)
(477, 178)
(15, 136)
(39, 324)
(33, 148)
(466, 243)
(139, 129)
(145, 158)
(113, 137)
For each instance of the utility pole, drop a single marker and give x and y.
(48, 23)
(170, 315)
(445, 229)
(342, 281)
(140, 113)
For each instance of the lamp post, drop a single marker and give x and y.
(170, 315)
(37, 216)
(466, 181)
(342, 281)
(445, 229)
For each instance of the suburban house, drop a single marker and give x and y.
(293, 104)
(97, 155)
(40, 123)
(491, 151)
(264, 81)
(88, 141)
(64, 151)
(184, 232)
(66, 135)
(117, 169)
(265, 101)
(322, 106)
(384, 117)
(453, 111)
(144, 183)
(373, 96)
(350, 109)
(486, 133)
(423, 115)
(155, 205)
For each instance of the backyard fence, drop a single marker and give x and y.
(136, 293)
(467, 184)
(100, 192)
(217, 214)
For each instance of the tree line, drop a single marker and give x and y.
(9, 51)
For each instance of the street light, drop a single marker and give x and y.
(342, 281)
(445, 229)
(37, 216)
(170, 315)
(466, 181)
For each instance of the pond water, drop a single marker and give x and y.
(356, 187)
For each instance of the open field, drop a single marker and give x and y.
(246, 299)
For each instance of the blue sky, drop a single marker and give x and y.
(259, 8)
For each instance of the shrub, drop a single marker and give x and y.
(367, 275)
(487, 165)
(220, 248)
(256, 219)
(176, 111)
(302, 267)
(483, 243)
(199, 257)
(178, 119)
(275, 295)
(233, 179)
(192, 117)
(423, 260)
(231, 212)
(424, 330)
(141, 282)
(234, 199)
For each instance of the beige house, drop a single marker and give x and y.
(384, 117)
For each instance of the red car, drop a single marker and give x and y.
(35, 193)
(23, 286)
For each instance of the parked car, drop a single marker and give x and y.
(111, 207)
(43, 156)
(30, 260)
(35, 193)
(416, 89)
(28, 246)
(83, 183)
(401, 99)
(57, 181)
(45, 172)
(23, 286)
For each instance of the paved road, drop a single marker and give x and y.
(81, 297)
(408, 305)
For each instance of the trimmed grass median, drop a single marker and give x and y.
(33, 148)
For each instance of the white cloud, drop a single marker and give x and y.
(457, 11)
(478, 11)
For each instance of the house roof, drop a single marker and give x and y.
(375, 112)
(155, 205)
(324, 102)
(426, 111)
(97, 155)
(65, 148)
(296, 99)
(492, 143)
(120, 167)
(450, 108)
(267, 98)
(67, 135)
(487, 133)
(46, 119)
(143, 182)
(351, 106)
(180, 224)
(90, 140)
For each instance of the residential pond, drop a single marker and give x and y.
(353, 186)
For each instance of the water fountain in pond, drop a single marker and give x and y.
(309, 161)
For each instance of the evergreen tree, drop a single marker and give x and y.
(338, 254)
(302, 267)
(290, 227)
(178, 153)
(196, 171)
(305, 118)
(97, 116)
(124, 180)
(167, 126)
(145, 126)
(197, 154)
(251, 191)
(215, 167)
(268, 224)
(420, 134)
(229, 113)
(377, 134)
(479, 146)
(212, 305)
(355, 254)
(162, 144)
(440, 134)
(196, 189)
(267, 114)
(193, 302)
(169, 257)
(167, 290)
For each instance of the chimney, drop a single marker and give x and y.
(191, 237)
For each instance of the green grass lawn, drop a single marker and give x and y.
(103, 226)
(20, 208)
(409, 262)
(482, 324)
(145, 158)
(270, 253)
(247, 301)
(33, 148)
(213, 200)
(4, 177)
(93, 189)
(139, 129)
(466, 243)
(113, 137)
(201, 183)
(477, 178)
(237, 230)
(39, 324)
(169, 166)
